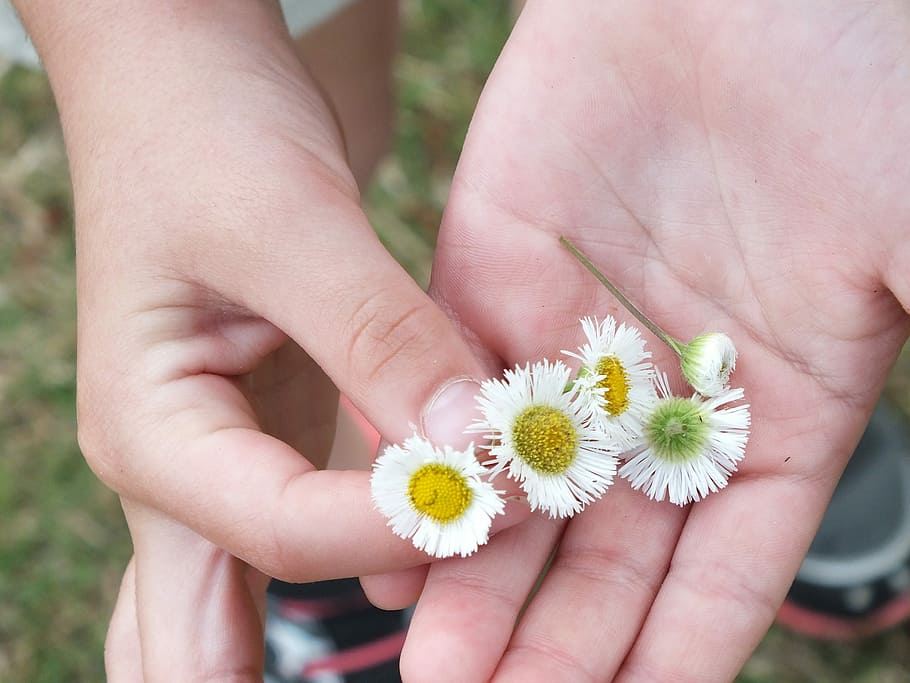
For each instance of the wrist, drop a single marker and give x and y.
(107, 60)
(170, 83)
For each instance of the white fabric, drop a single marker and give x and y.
(300, 15)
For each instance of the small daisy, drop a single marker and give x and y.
(691, 445)
(707, 362)
(546, 437)
(435, 497)
(616, 374)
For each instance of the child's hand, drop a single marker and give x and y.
(216, 218)
(732, 166)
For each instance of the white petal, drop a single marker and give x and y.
(544, 384)
(708, 472)
(389, 484)
(607, 339)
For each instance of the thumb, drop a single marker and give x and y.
(381, 339)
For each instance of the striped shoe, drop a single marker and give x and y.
(328, 632)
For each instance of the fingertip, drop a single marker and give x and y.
(400, 589)
(395, 590)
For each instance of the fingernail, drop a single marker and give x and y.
(451, 410)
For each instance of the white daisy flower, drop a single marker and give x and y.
(616, 374)
(546, 438)
(691, 445)
(707, 362)
(435, 497)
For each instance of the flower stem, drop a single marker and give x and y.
(674, 344)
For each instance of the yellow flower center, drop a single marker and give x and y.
(616, 382)
(440, 492)
(545, 439)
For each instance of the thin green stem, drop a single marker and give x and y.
(674, 344)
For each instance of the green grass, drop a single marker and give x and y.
(63, 543)
(447, 52)
(63, 540)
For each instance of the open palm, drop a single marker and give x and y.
(731, 166)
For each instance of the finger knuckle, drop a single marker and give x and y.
(93, 434)
(731, 589)
(382, 335)
(540, 653)
(100, 433)
(479, 587)
(610, 567)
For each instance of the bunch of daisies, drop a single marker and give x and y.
(564, 437)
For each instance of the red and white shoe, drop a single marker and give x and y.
(855, 580)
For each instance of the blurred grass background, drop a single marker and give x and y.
(63, 542)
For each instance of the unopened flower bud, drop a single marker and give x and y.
(707, 362)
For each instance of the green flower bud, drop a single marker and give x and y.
(707, 362)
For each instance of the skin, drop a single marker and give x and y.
(738, 169)
(228, 282)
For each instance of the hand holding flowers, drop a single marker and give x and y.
(710, 162)
(560, 437)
